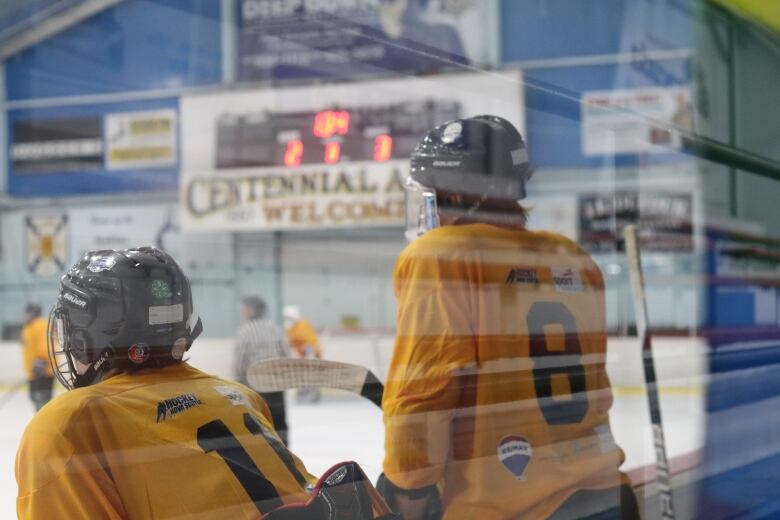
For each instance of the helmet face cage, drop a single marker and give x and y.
(422, 212)
(59, 353)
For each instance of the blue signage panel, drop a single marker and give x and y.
(90, 149)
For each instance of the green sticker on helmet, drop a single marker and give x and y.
(161, 289)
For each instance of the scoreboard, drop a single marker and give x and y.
(328, 136)
(320, 155)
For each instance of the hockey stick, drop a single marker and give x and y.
(276, 375)
(640, 310)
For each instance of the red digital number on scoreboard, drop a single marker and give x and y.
(293, 153)
(329, 126)
(383, 148)
(330, 122)
(332, 152)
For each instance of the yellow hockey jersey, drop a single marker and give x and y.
(34, 348)
(497, 391)
(302, 335)
(161, 443)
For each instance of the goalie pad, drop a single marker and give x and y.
(342, 493)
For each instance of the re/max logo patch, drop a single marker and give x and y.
(522, 275)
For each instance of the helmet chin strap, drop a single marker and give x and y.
(196, 330)
(475, 207)
(95, 370)
(103, 363)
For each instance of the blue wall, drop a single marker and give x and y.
(137, 45)
(16, 16)
(545, 29)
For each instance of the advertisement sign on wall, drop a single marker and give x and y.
(633, 120)
(322, 156)
(140, 139)
(665, 220)
(306, 39)
(84, 149)
(56, 144)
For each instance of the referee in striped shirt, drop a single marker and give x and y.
(258, 339)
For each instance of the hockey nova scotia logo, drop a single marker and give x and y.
(514, 452)
(170, 408)
(522, 275)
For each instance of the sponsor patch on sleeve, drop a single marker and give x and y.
(522, 275)
(235, 397)
(566, 279)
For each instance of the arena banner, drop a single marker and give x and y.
(43, 145)
(308, 39)
(665, 220)
(89, 149)
(320, 156)
(140, 139)
(634, 120)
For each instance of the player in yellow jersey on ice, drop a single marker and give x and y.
(36, 360)
(142, 434)
(497, 399)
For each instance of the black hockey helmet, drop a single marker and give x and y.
(483, 156)
(127, 310)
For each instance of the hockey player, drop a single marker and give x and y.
(36, 360)
(497, 399)
(305, 343)
(301, 334)
(142, 434)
